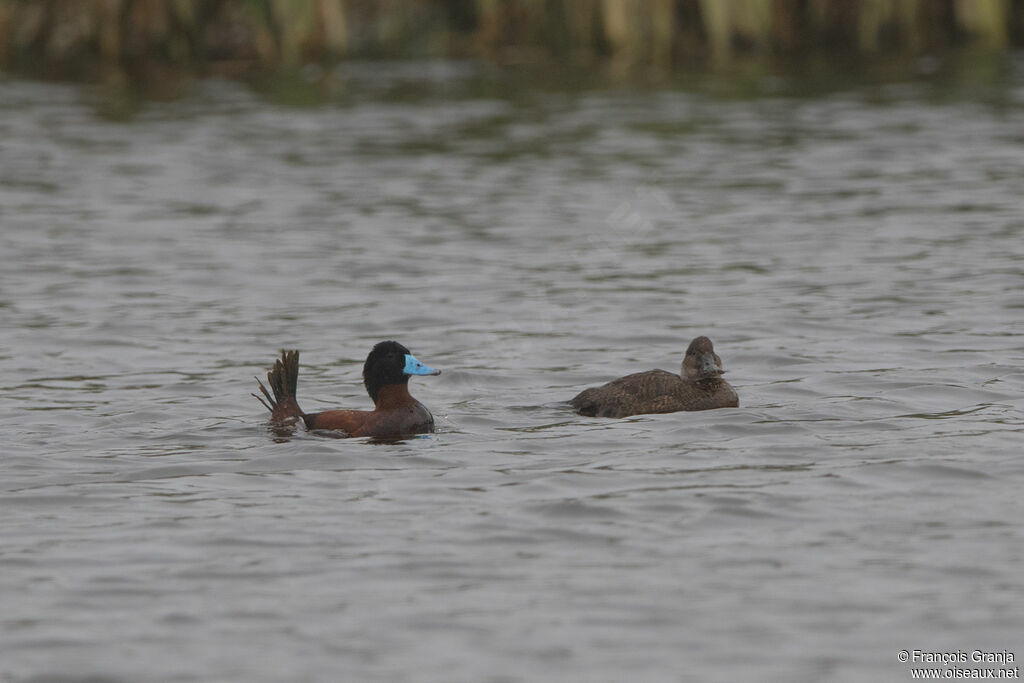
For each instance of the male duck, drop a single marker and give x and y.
(386, 377)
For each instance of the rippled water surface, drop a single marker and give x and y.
(857, 257)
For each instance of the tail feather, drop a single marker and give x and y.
(283, 380)
(259, 398)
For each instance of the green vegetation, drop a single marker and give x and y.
(143, 39)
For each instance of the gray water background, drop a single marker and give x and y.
(856, 255)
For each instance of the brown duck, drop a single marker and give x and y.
(386, 377)
(698, 387)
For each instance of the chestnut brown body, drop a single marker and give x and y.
(386, 377)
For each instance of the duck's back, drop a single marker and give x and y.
(654, 391)
(391, 421)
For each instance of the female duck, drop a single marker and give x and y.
(386, 377)
(699, 387)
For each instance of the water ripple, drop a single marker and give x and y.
(855, 257)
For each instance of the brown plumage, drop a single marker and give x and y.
(283, 379)
(699, 386)
(385, 374)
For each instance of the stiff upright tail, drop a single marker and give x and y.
(282, 380)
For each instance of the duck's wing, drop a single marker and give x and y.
(642, 392)
(348, 421)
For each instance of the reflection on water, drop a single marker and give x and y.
(856, 257)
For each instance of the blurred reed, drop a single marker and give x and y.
(82, 38)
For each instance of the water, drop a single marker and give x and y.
(856, 256)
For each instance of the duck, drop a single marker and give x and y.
(386, 374)
(699, 386)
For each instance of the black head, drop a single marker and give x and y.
(701, 362)
(391, 363)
